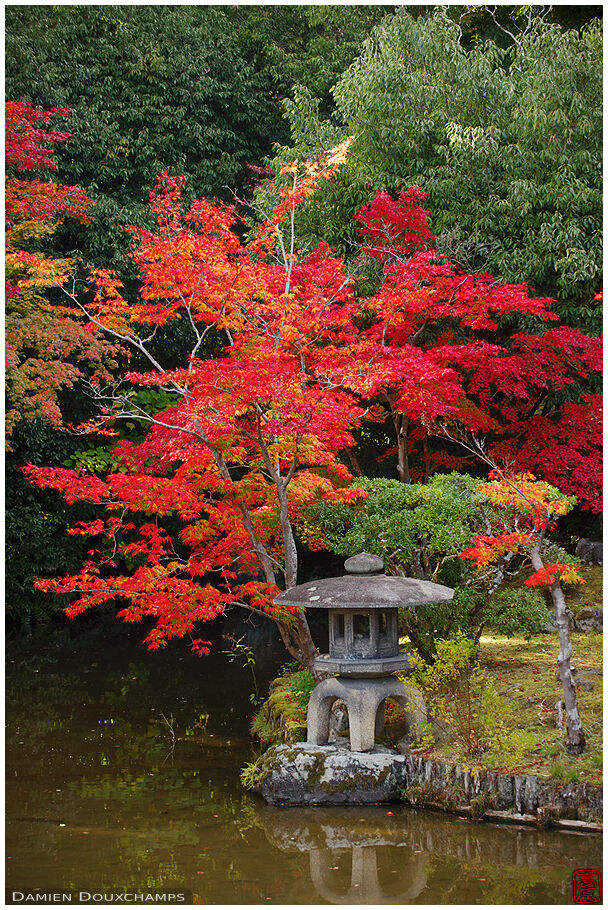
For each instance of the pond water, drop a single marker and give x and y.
(123, 776)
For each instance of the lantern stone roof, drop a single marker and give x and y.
(364, 591)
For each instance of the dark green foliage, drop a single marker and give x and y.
(196, 90)
(430, 623)
(98, 457)
(309, 46)
(517, 611)
(282, 717)
(149, 89)
(36, 542)
(417, 529)
(505, 24)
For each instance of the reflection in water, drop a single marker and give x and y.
(100, 796)
(403, 856)
(349, 858)
(364, 884)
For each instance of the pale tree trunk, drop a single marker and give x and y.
(575, 736)
(289, 543)
(297, 638)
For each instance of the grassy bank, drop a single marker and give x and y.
(523, 677)
(527, 691)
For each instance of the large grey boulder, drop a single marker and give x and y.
(590, 551)
(303, 774)
(589, 619)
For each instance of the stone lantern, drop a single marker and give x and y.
(363, 644)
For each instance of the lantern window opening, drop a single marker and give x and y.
(340, 625)
(361, 625)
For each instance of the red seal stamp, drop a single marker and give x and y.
(587, 886)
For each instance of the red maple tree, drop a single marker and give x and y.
(437, 352)
(201, 514)
(48, 346)
(203, 510)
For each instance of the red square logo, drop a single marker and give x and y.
(587, 886)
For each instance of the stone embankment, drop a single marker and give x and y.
(508, 797)
(307, 775)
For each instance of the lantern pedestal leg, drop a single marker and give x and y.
(364, 699)
(319, 710)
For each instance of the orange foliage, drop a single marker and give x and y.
(529, 509)
(48, 347)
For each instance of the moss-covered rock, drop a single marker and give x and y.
(307, 775)
(282, 717)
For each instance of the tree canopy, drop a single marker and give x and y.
(248, 440)
(150, 89)
(507, 141)
(294, 357)
(47, 346)
(197, 90)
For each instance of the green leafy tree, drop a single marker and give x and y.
(147, 88)
(151, 89)
(419, 530)
(307, 46)
(195, 90)
(507, 141)
(49, 352)
(36, 542)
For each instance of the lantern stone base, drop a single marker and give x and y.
(303, 774)
(364, 700)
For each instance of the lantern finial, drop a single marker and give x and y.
(364, 564)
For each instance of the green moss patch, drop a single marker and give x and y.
(578, 596)
(282, 717)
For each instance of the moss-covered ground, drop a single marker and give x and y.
(578, 596)
(527, 692)
(282, 717)
(524, 674)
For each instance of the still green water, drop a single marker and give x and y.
(123, 776)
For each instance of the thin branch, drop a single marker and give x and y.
(477, 448)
